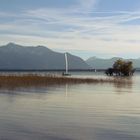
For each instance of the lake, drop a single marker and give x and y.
(72, 112)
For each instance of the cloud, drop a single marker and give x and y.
(74, 29)
(87, 4)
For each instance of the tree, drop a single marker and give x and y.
(121, 68)
(118, 66)
(124, 68)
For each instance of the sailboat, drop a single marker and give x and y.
(66, 73)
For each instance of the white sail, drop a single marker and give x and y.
(66, 61)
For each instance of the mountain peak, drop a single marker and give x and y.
(39, 47)
(12, 45)
(43, 47)
(116, 58)
(14, 56)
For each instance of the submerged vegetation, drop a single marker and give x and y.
(25, 81)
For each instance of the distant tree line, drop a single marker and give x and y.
(121, 68)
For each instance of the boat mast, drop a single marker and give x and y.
(66, 60)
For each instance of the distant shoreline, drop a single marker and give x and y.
(55, 70)
(43, 70)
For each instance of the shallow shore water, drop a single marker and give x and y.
(108, 111)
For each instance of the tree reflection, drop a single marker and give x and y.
(125, 86)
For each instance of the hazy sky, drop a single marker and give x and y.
(102, 28)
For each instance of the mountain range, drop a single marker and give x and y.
(99, 63)
(14, 56)
(18, 57)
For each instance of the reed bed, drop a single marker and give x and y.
(15, 81)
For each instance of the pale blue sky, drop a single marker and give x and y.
(102, 28)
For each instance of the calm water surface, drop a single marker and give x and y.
(72, 112)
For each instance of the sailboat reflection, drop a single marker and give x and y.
(66, 90)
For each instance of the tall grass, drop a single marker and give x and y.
(15, 81)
